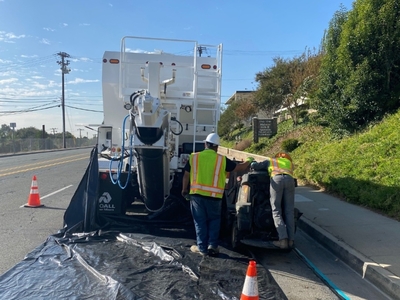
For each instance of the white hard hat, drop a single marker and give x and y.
(212, 138)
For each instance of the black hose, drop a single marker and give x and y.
(180, 125)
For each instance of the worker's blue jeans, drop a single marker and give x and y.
(207, 220)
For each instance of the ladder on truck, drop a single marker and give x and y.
(206, 101)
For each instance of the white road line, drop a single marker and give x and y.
(51, 194)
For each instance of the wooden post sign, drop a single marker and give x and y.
(264, 128)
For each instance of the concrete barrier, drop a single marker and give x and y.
(239, 155)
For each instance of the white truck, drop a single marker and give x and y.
(158, 108)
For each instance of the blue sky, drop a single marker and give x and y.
(252, 32)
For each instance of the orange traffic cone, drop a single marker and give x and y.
(34, 198)
(250, 287)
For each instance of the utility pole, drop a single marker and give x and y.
(200, 49)
(80, 136)
(64, 70)
(54, 130)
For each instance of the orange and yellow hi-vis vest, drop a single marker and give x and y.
(280, 166)
(207, 173)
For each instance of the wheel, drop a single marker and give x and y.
(236, 236)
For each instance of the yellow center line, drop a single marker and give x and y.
(64, 161)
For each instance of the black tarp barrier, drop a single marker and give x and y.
(125, 259)
(115, 265)
(80, 215)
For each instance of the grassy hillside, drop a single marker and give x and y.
(363, 169)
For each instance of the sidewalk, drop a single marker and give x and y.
(368, 242)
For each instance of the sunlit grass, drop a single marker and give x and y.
(363, 169)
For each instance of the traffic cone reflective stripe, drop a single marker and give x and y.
(250, 287)
(34, 198)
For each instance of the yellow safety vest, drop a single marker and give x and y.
(207, 173)
(280, 166)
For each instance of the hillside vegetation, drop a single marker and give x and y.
(343, 103)
(363, 169)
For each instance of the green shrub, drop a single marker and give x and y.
(290, 144)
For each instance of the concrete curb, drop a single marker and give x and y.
(368, 269)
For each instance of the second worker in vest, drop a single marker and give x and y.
(282, 188)
(206, 172)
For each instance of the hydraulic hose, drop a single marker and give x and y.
(121, 159)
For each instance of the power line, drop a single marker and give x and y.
(99, 111)
(11, 112)
(36, 61)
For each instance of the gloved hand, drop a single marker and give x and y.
(250, 159)
(185, 195)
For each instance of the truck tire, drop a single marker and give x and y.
(236, 236)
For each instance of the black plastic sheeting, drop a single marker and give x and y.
(151, 261)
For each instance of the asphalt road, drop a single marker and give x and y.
(58, 175)
(21, 228)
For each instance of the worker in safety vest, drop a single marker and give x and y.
(282, 188)
(206, 172)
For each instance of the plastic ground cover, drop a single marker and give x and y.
(141, 261)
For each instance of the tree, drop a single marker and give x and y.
(360, 75)
(288, 83)
(273, 86)
(5, 132)
(28, 132)
(228, 119)
(245, 109)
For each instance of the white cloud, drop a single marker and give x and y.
(28, 56)
(84, 24)
(42, 86)
(143, 51)
(8, 73)
(84, 59)
(110, 4)
(80, 80)
(48, 29)
(64, 24)
(9, 37)
(45, 41)
(33, 92)
(9, 80)
(3, 61)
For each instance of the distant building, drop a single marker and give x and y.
(281, 114)
(239, 95)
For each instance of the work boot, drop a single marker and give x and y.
(291, 244)
(212, 251)
(196, 249)
(283, 244)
